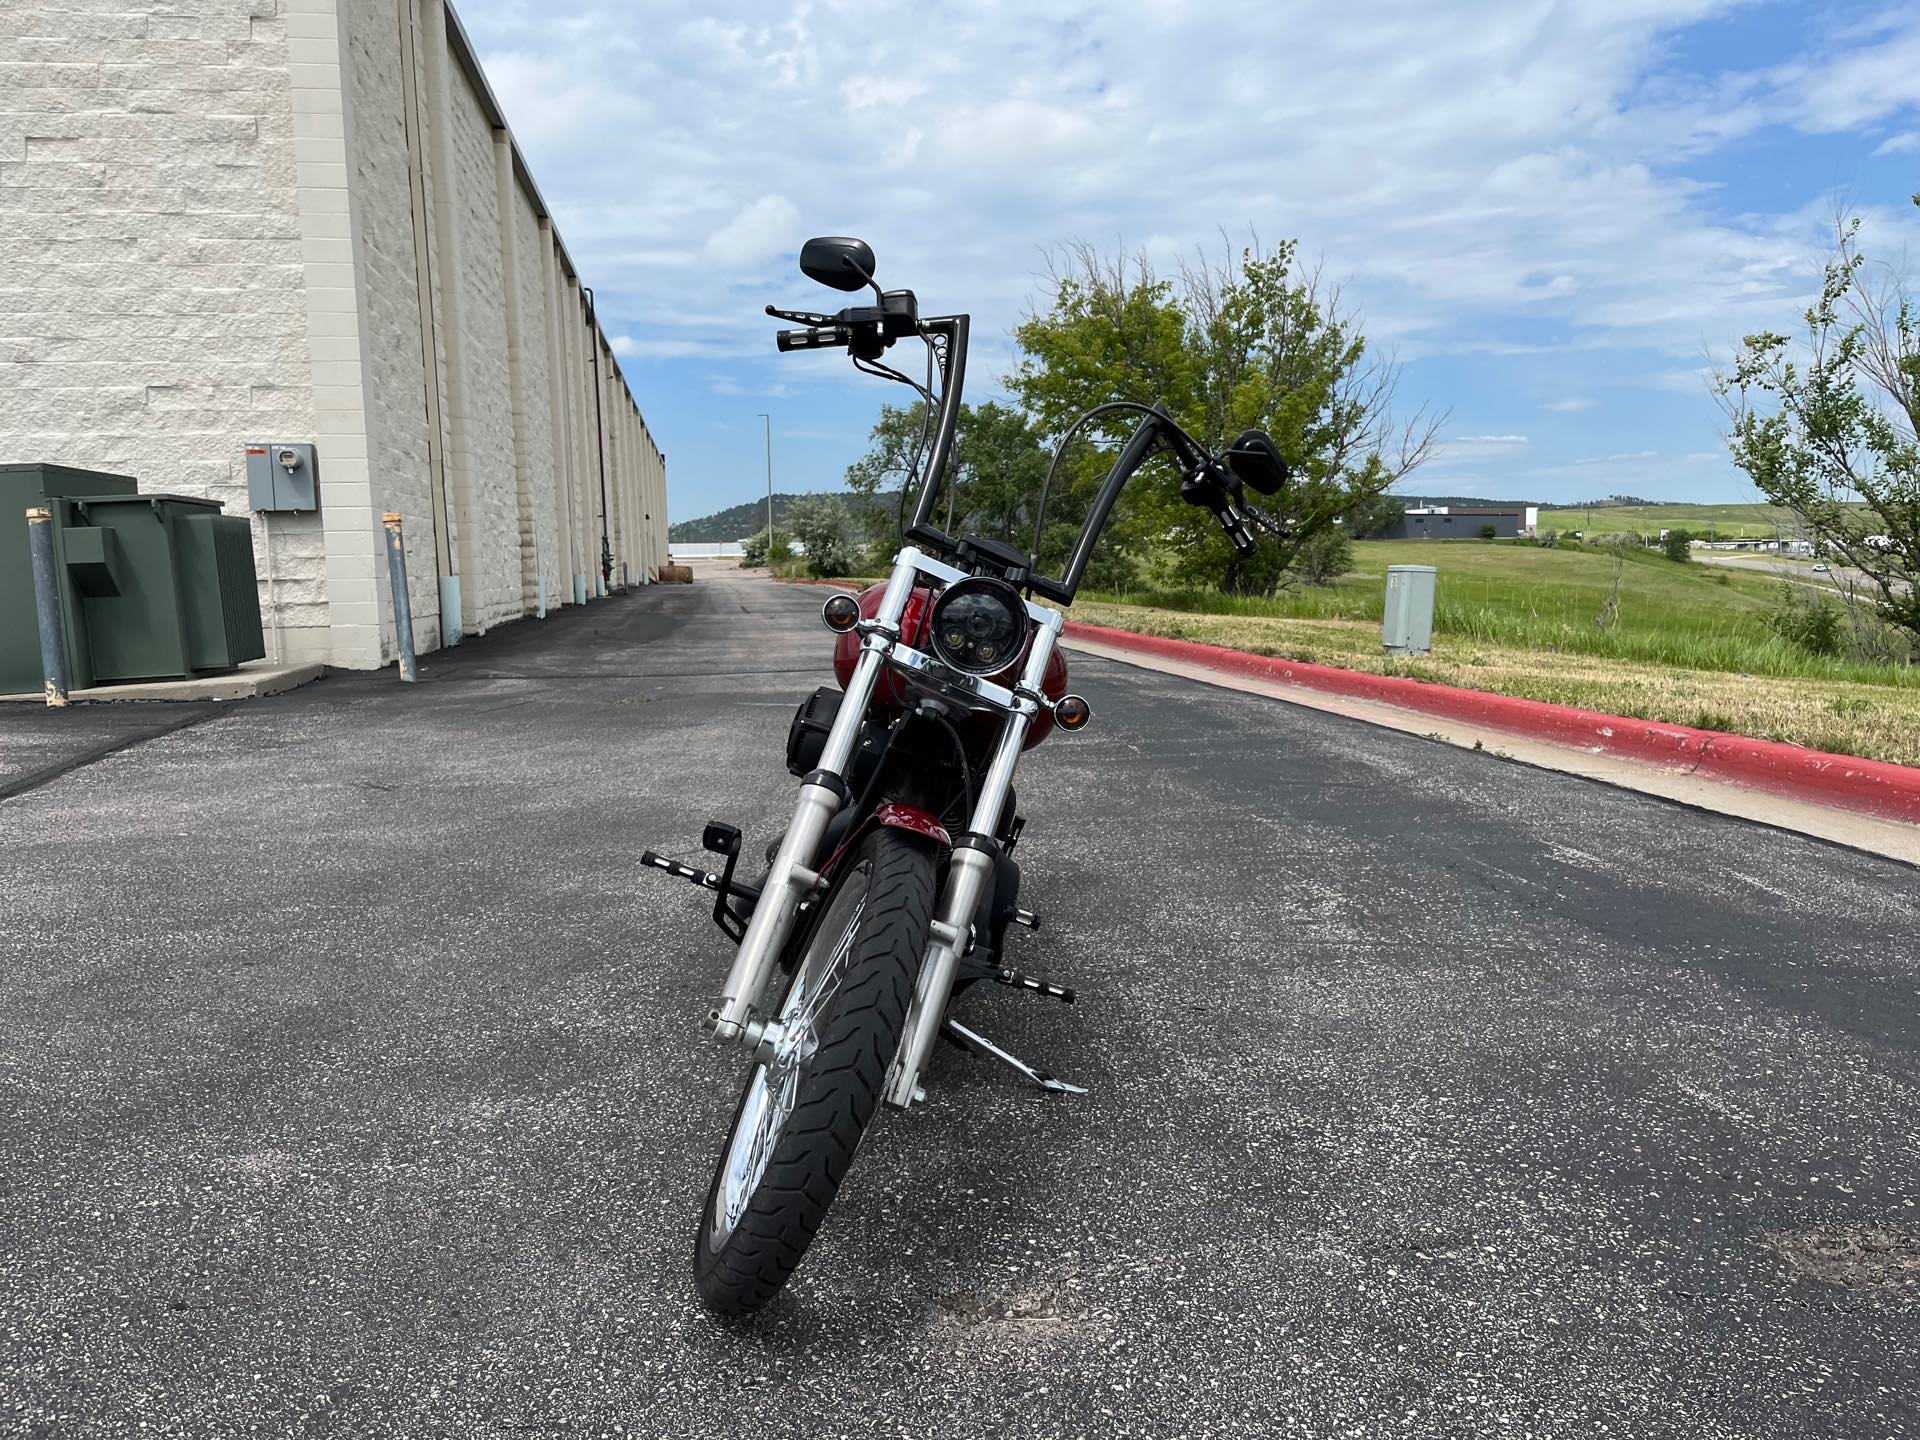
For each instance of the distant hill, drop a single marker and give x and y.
(733, 523)
(1722, 522)
(737, 522)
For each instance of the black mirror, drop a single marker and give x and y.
(837, 260)
(1256, 462)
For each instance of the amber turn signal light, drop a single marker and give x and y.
(841, 613)
(1070, 712)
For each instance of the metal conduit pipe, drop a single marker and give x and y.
(600, 432)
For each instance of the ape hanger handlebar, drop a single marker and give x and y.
(868, 331)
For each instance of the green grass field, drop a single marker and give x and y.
(1727, 522)
(1519, 595)
(1688, 643)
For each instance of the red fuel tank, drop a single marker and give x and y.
(890, 695)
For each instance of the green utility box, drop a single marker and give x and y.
(23, 487)
(152, 586)
(165, 583)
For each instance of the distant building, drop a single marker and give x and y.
(1464, 522)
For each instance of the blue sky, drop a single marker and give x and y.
(1557, 215)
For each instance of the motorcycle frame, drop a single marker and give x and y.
(792, 877)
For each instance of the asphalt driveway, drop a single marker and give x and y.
(351, 1080)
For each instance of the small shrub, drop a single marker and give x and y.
(1808, 622)
(1548, 539)
(822, 524)
(1487, 532)
(1678, 545)
(1113, 570)
(1325, 556)
(754, 549)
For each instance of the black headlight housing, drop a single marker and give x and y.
(979, 625)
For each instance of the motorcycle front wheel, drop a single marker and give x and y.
(801, 1116)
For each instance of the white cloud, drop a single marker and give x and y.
(1906, 144)
(1450, 454)
(761, 230)
(1506, 181)
(1572, 405)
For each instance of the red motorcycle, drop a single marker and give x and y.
(895, 886)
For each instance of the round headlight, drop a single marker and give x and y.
(979, 625)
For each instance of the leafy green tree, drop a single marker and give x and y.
(999, 462)
(1829, 427)
(1678, 545)
(823, 525)
(1249, 340)
(1375, 515)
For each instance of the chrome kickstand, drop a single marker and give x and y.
(970, 1040)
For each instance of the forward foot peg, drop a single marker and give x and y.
(723, 840)
(1019, 981)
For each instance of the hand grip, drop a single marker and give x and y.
(818, 337)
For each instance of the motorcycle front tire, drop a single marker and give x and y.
(796, 1127)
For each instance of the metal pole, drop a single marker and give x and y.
(46, 601)
(402, 602)
(769, 419)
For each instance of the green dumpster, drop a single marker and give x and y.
(23, 487)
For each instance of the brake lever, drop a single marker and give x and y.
(1279, 529)
(800, 317)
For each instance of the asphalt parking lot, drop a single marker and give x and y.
(351, 1080)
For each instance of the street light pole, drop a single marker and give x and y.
(769, 419)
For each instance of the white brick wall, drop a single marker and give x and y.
(481, 452)
(151, 274)
(533, 404)
(208, 236)
(403, 470)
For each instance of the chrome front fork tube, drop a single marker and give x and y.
(792, 873)
(969, 882)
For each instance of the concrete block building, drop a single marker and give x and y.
(1463, 522)
(229, 224)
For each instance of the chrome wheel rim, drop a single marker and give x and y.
(775, 1085)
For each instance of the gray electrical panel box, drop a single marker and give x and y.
(282, 475)
(1409, 620)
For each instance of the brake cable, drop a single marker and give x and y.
(925, 392)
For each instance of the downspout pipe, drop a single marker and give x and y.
(600, 431)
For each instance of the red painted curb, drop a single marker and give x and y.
(1873, 786)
